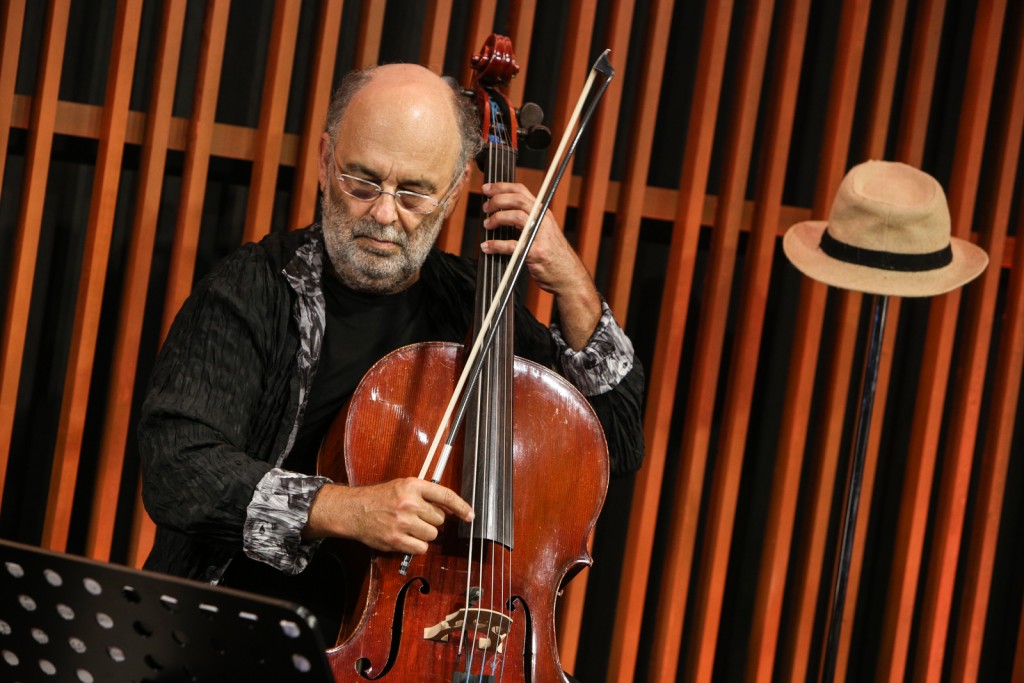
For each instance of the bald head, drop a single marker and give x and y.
(413, 97)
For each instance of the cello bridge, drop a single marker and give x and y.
(490, 627)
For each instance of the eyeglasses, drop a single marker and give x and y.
(413, 202)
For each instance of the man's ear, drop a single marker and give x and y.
(324, 171)
(463, 182)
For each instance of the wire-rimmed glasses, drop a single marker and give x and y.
(413, 202)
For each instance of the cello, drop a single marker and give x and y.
(479, 605)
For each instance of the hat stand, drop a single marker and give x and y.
(853, 487)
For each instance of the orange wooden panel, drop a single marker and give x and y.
(961, 193)
(93, 276)
(30, 218)
(190, 211)
(12, 18)
(809, 569)
(602, 130)
(435, 38)
(371, 30)
(143, 532)
(632, 192)
(520, 30)
(963, 430)
(803, 361)
(133, 299)
(479, 27)
(481, 21)
(700, 405)
(575, 67)
(754, 290)
(276, 86)
(668, 349)
(823, 471)
(321, 77)
(197, 161)
(995, 454)
(910, 149)
(920, 81)
(917, 480)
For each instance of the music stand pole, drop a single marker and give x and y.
(867, 401)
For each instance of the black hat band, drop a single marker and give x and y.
(885, 260)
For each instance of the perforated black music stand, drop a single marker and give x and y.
(65, 618)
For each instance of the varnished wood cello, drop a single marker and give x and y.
(480, 604)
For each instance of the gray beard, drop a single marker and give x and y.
(363, 268)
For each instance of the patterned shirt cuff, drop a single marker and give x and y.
(275, 518)
(600, 365)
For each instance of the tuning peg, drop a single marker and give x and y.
(529, 115)
(537, 137)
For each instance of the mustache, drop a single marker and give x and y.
(367, 227)
(333, 211)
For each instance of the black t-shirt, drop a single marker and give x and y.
(361, 329)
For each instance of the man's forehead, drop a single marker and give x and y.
(401, 125)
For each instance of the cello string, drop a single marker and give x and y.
(484, 409)
(507, 443)
(499, 362)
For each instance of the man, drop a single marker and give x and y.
(270, 345)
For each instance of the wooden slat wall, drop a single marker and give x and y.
(715, 561)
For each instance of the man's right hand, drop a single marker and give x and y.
(402, 515)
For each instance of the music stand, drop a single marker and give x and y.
(66, 618)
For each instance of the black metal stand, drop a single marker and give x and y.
(65, 618)
(854, 481)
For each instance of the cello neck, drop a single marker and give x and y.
(488, 444)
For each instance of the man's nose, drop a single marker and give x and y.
(384, 209)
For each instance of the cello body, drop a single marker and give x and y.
(560, 480)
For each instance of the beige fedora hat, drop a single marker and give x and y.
(888, 233)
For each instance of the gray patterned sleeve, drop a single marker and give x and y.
(275, 517)
(599, 366)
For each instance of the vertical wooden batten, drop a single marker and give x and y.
(668, 349)
(30, 219)
(110, 467)
(575, 67)
(480, 19)
(632, 190)
(593, 201)
(94, 267)
(321, 77)
(439, 15)
(910, 145)
(371, 30)
(928, 412)
(12, 19)
(761, 252)
(996, 450)
(190, 203)
(274, 105)
(797, 408)
(696, 450)
(979, 316)
(810, 569)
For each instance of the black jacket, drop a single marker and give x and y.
(224, 402)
